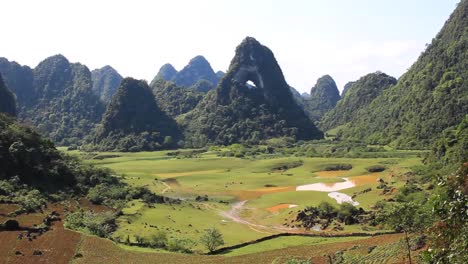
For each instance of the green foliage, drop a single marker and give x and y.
(180, 245)
(325, 213)
(427, 99)
(237, 113)
(338, 167)
(99, 224)
(362, 93)
(451, 149)
(407, 217)
(376, 168)
(212, 239)
(175, 100)
(323, 97)
(159, 239)
(449, 232)
(134, 122)
(63, 105)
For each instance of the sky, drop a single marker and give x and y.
(310, 38)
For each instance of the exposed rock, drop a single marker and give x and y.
(7, 99)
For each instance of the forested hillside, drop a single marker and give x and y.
(238, 112)
(357, 97)
(429, 98)
(134, 122)
(56, 97)
(175, 100)
(106, 80)
(323, 97)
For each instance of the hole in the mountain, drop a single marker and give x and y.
(250, 84)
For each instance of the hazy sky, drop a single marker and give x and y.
(310, 38)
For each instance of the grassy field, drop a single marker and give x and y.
(263, 183)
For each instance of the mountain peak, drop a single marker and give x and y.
(197, 69)
(252, 95)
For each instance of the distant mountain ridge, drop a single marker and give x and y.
(323, 97)
(106, 80)
(197, 74)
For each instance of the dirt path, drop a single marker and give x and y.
(167, 187)
(234, 215)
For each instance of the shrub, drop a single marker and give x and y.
(376, 168)
(180, 245)
(158, 240)
(338, 167)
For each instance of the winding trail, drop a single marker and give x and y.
(233, 215)
(167, 187)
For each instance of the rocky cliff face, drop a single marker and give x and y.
(251, 103)
(7, 99)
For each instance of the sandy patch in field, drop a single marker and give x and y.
(348, 183)
(187, 173)
(278, 207)
(342, 198)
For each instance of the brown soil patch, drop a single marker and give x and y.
(171, 181)
(276, 208)
(187, 173)
(57, 245)
(252, 194)
(365, 179)
(6, 209)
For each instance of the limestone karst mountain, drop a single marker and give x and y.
(175, 100)
(106, 80)
(360, 95)
(197, 74)
(133, 121)
(7, 99)
(252, 102)
(323, 97)
(430, 97)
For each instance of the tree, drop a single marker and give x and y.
(449, 232)
(212, 239)
(407, 217)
